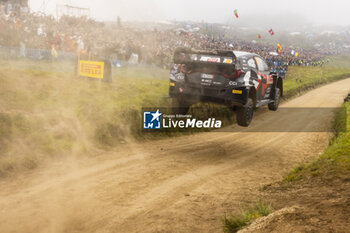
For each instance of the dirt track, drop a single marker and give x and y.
(180, 184)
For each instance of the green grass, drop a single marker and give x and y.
(336, 158)
(300, 79)
(45, 111)
(233, 223)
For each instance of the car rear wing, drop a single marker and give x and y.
(192, 56)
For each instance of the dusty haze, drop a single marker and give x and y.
(273, 12)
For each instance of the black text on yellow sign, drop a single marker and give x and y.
(91, 69)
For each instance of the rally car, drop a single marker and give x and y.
(239, 80)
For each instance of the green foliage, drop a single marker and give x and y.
(340, 122)
(233, 223)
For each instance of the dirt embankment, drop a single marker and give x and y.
(320, 204)
(180, 184)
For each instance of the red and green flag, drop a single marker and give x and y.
(236, 13)
(259, 36)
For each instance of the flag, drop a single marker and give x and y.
(294, 53)
(259, 36)
(236, 13)
(279, 48)
(271, 32)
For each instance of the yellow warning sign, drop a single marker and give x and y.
(92, 69)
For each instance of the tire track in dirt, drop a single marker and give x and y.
(142, 187)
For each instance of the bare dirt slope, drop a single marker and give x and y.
(319, 204)
(180, 184)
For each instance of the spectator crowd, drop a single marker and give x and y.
(81, 35)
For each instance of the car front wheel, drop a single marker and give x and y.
(276, 100)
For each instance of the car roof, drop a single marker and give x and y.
(242, 53)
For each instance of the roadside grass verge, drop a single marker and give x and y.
(336, 158)
(300, 79)
(233, 223)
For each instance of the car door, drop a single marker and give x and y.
(265, 80)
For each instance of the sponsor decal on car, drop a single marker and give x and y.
(206, 79)
(232, 83)
(209, 76)
(228, 61)
(210, 59)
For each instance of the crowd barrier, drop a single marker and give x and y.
(35, 54)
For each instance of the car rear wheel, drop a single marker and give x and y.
(179, 106)
(245, 113)
(276, 101)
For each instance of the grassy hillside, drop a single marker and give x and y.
(45, 111)
(299, 79)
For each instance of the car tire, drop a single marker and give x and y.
(244, 114)
(276, 100)
(179, 106)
